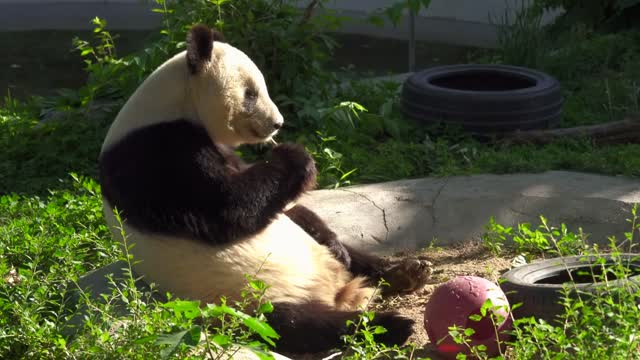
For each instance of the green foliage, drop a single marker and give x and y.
(521, 38)
(395, 11)
(362, 344)
(111, 78)
(598, 324)
(36, 155)
(227, 328)
(598, 71)
(534, 243)
(288, 45)
(594, 325)
(356, 134)
(462, 336)
(46, 244)
(593, 13)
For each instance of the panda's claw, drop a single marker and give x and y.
(406, 275)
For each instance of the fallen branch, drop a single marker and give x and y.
(616, 132)
(308, 12)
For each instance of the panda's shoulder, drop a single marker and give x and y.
(173, 144)
(180, 131)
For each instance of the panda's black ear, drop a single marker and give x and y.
(199, 46)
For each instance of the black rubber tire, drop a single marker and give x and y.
(542, 300)
(511, 98)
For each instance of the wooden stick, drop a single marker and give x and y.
(616, 132)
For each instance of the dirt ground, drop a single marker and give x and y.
(465, 259)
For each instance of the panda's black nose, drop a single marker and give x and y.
(277, 125)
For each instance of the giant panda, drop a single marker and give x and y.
(198, 218)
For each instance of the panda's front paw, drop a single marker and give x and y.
(406, 275)
(298, 165)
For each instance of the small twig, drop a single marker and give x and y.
(308, 12)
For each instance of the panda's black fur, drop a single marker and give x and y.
(171, 179)
(201, 197)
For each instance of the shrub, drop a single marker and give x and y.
(596, 325)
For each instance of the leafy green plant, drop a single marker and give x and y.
(395, 11)
(496, 236)
(595, 324)
(463, 336)
(329, 162)
(521, 38)
(36, 155)
(362, 345)
(289, 45)
(226, 330)
(593, 13)
(544, 240)
(46, 243)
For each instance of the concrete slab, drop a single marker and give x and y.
(411, 214)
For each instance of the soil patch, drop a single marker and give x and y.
(465, 259)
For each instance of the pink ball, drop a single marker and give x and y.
(453, 302)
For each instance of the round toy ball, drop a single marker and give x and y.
(453, 302)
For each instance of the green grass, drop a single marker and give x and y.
(36, 156)
(49, 242)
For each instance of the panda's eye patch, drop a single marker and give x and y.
(250, 99)
(251, 93)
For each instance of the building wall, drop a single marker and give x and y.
(461, 22)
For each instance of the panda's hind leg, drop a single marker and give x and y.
(313, 225)
(404, 275)
(315, 327)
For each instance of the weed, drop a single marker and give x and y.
(47, 242)
(362, 345)
(521, 38)
(36, 155)
(533, 243)
(597, 324)
(463, 336)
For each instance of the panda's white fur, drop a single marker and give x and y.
(213, 100)
(211, 92)
(297, 269)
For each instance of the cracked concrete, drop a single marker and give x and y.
(382, 211)
(451, 210)
(434, 219)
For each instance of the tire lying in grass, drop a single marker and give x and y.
(539, 285)
(483, 99)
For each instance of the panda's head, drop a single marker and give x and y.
(228, 91)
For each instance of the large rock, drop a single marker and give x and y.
(410, 214)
